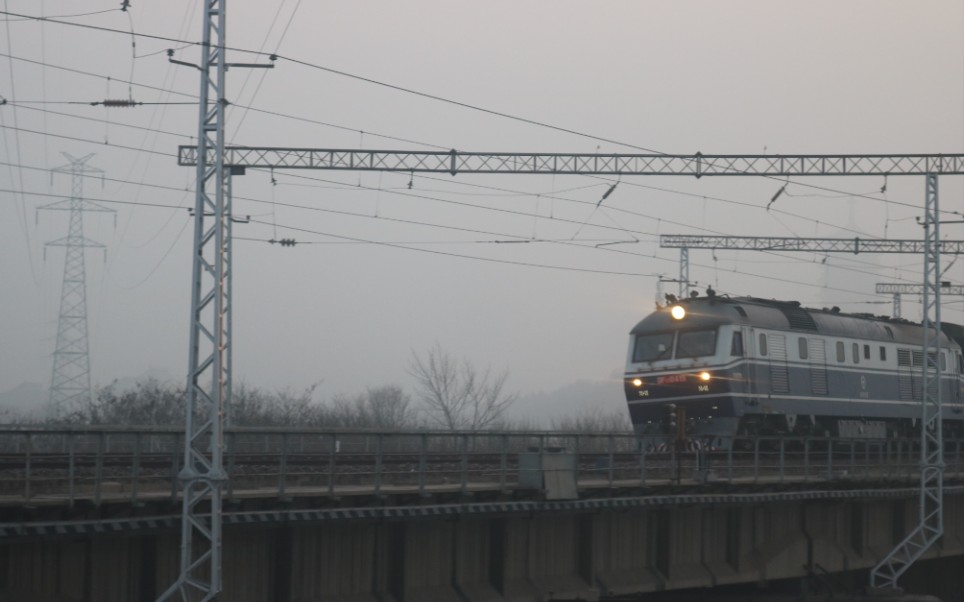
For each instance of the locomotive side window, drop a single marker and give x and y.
(696, 343)
(840, 351)
(736, 346)
(866, 352)
(652, 347)
(883, 353)
(802, 344)
(856, 350)
(763, 344)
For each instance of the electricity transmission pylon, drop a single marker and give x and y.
(70, 378)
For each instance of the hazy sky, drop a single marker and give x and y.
(673, 76)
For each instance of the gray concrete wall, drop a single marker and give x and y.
(533, 557)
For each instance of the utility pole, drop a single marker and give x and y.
(70, 378)
(783, 166)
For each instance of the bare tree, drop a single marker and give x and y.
(252, 406)
(150, 402)
(457, 396)
(388, 407)
(384, 407)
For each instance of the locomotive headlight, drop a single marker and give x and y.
(637, 382)
(678, 312)
(704, 376)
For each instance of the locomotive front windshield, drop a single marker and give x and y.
(652, 347)
(696, 344)
(667, 345)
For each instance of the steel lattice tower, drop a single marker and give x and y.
(70, 379)
(209, 373)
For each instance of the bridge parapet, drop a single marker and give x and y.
(57, 466)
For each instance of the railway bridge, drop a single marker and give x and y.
(93, 514)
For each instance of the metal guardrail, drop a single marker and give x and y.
(67, 465)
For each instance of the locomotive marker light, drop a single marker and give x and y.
(677, 421)
(704, 377)
(671, 415)
(678, 312)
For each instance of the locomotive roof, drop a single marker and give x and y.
(712, 312)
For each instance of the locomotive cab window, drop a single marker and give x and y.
(653, 347)
(883, 353)
(802, 344)
(736, 346)
(696, 343)
(856, 350)
(866, 352)
(840, 351)
(763, 344)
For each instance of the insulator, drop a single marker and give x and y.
(118, 102)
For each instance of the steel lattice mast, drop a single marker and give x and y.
(898, 288)
(684, 242)
(209, 377)
(930, 525)
(815, 245)
(697, 165)
(70, 378)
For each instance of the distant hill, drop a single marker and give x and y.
(25, 401)
(576, 399)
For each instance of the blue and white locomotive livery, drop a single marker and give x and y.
(714, 370)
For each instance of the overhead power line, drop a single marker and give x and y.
(406, 90)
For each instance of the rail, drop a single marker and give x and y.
(69, 465)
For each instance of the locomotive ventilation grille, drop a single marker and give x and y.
(799, 318)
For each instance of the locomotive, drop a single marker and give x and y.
(716, 370)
